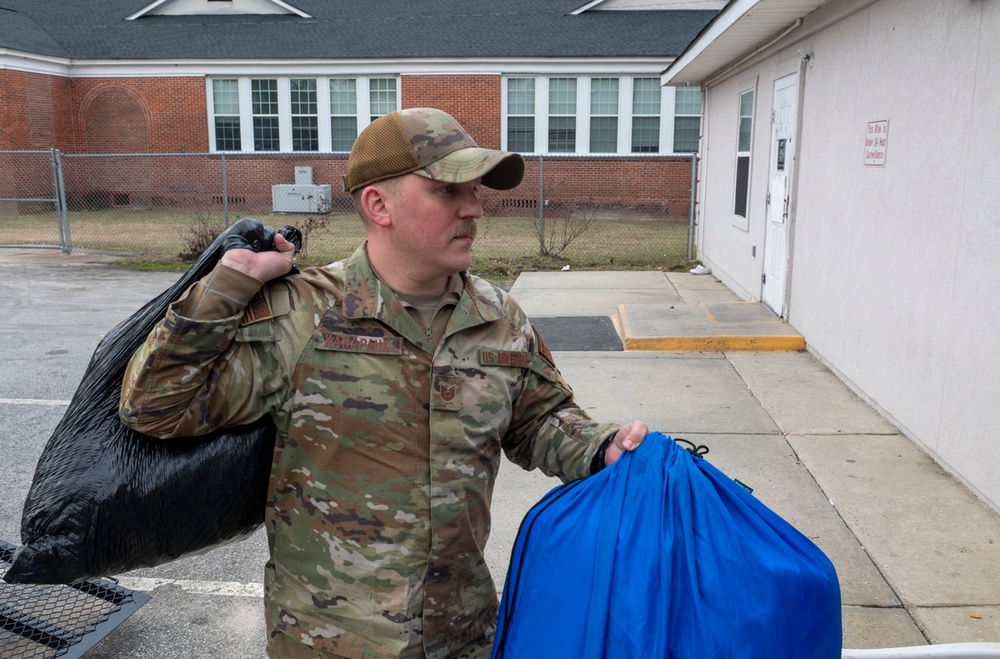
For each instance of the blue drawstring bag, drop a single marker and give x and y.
(662, 555)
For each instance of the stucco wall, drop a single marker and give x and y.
(895, 269)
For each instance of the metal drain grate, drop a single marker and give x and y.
(584, 333)
(59, 621)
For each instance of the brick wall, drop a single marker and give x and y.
(140, 115)
(473, 100)
(35, 111)
(168, 115)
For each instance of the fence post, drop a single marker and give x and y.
(225, 192)
(541, 205)
(61, 207)
(694, 171)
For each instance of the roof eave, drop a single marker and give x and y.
(742, 29)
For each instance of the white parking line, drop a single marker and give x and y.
(219, 588)
(32, 401)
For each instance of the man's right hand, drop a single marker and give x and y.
(258, 250)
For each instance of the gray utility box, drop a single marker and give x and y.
(301, 198)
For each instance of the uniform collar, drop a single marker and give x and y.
(366, 296)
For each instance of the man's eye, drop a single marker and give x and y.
(448, 189)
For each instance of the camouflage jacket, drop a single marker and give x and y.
(387, 447)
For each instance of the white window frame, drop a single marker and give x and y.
(617, 113)
(743, 221)
(625, 87)
(699, 115)
(284, 109)
(666, 123)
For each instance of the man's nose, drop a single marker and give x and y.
(471, 206)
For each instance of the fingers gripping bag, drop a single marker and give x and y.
(662, 555)
(106, 499)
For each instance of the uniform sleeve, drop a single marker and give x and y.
(549, 431)
(200, 370)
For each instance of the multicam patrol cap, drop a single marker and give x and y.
(428, 143)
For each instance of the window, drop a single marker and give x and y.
(687, 119)
(646, 115)
(305, 120)
(264, 101)
(604, 115)
(226, 107)
(600, 114)
(521, 115)
(343, 113)
(295, 114)
(562, 115)
(383, 97)
(744, 143)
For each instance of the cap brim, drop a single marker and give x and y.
(500, 170)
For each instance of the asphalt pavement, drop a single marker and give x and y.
(916, 552)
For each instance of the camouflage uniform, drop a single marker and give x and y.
(387, 449)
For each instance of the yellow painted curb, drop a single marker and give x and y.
(718, 343)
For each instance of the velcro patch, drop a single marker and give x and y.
(258, 309)
(446, 393)
(373, 345)
(504, 358)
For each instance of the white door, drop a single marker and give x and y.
(776, 236)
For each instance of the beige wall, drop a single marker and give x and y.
(896, 269)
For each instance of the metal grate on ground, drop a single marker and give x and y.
(581, 333)
(59, 620)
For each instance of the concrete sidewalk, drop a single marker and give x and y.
(915, 551)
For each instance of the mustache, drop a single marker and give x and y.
(467, 229)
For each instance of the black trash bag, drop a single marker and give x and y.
(106, 499)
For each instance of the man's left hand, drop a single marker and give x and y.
(627, 438)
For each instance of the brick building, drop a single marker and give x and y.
(245, 77)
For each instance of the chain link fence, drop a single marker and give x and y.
(583, 211)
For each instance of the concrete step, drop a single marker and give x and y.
(705, 327)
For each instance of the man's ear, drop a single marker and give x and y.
(375, 201)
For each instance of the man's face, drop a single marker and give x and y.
(434, 225)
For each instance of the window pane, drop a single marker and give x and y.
(226, 96)
(265, 134)
(746, 122)
(521, 96)
(264, 96)
(562, 96)
(645, 135)
(604, 96)
(521, 134)
(343, 131)
(745, 131)
(603, 134)
(227, 134)
(646, 96)
(686, 131)
(303, 96)
(305, 122)
(305, 134)
(687, 100)
(382, 96)
(264, 105)
(562, 134)
(343, 96)
(742, 184)
(226, 107)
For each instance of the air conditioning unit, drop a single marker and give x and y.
(301, 198)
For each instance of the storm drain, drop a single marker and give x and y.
(59, 621)
(583, 333)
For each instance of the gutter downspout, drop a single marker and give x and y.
(805, 61)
